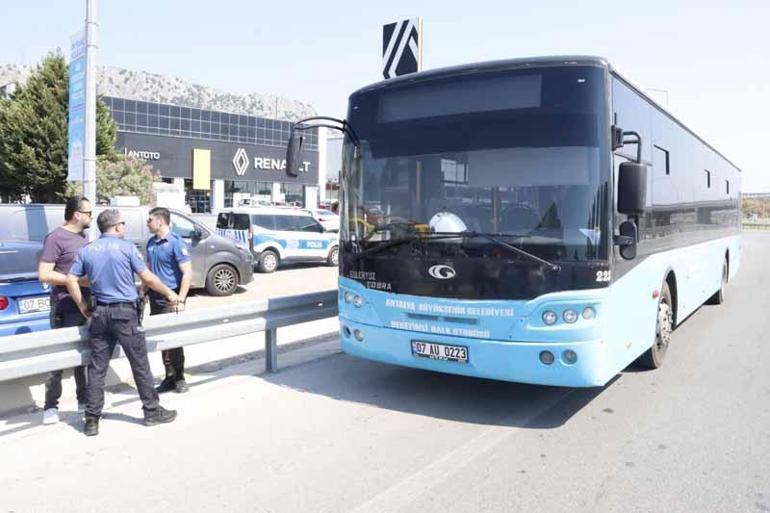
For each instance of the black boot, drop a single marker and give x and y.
(159, 416)
(167, 385)
(91, 427)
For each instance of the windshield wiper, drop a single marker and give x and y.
(403, 240)
(494, 237)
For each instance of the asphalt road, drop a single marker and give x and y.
(338, 434)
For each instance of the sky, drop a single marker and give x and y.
(711, 57)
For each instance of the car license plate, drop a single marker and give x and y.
(34, 304)
(440, 351)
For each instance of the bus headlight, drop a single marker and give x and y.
(570, 316)
(569, 357)
(358, 301)
(589, 313)
(546, 357)
(349, 297)
(549, 318)
(359, 335)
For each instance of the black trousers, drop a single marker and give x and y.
(118, 324)
(65, 314)
(173, 359)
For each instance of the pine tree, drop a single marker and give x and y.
(33, 135)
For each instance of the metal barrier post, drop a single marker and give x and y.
(271, 350)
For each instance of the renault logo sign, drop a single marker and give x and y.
(240, 162)
(442, 272)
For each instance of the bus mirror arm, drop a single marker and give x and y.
(629, 235)
(294, 148)
(619, 140)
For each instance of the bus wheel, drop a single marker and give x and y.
(664, 325)
(719, 296)
(268, 261)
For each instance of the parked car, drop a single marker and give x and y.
(328, 219)
(219, 264)
(25, 302)
(279, 235)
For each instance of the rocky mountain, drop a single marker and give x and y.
(140, 85)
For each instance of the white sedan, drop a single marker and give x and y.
(328, 219)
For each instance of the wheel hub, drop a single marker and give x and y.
(224, 280)
(665, 324)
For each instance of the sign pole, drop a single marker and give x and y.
(89, 158)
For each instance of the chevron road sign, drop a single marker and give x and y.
(401, 47)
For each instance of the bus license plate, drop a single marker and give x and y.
(34, 304)
(440, 351)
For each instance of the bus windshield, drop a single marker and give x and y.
(518, 154)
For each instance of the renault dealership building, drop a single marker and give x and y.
(217, 157)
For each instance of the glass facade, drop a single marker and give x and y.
(198, 200)
(292, 193)
(243, 188)
(176, 121)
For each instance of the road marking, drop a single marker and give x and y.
(443, 469)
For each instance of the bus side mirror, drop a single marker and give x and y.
(632, 188)
(294, 152)
(627, 239)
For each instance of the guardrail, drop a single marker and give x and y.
(36, 353)
(756, 226)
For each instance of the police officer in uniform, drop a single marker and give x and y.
(110, 263)
(169, 259)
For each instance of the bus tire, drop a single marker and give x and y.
(719, 296)
(664, 325)
(268, 261)
(333, 260)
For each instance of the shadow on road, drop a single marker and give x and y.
(437, 395)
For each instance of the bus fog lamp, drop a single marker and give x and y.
(359, 335)
(589, 313)
(570, 316)
(549, 318)
(546, 357)
(349, 297)
(358, 301)
(569, 357)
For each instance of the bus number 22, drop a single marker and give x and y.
(603, 276)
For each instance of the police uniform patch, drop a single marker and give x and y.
(184, 251)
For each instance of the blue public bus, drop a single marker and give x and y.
(532, 220)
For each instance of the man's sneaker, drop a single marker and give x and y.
(167, 385)
(91, 427)
(159, 416)
(180, 387)
(51, 416)
(81, 407)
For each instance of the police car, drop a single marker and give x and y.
(279, 235)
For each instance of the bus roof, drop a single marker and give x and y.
(531, 62)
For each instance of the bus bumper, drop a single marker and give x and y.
(494, 359)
